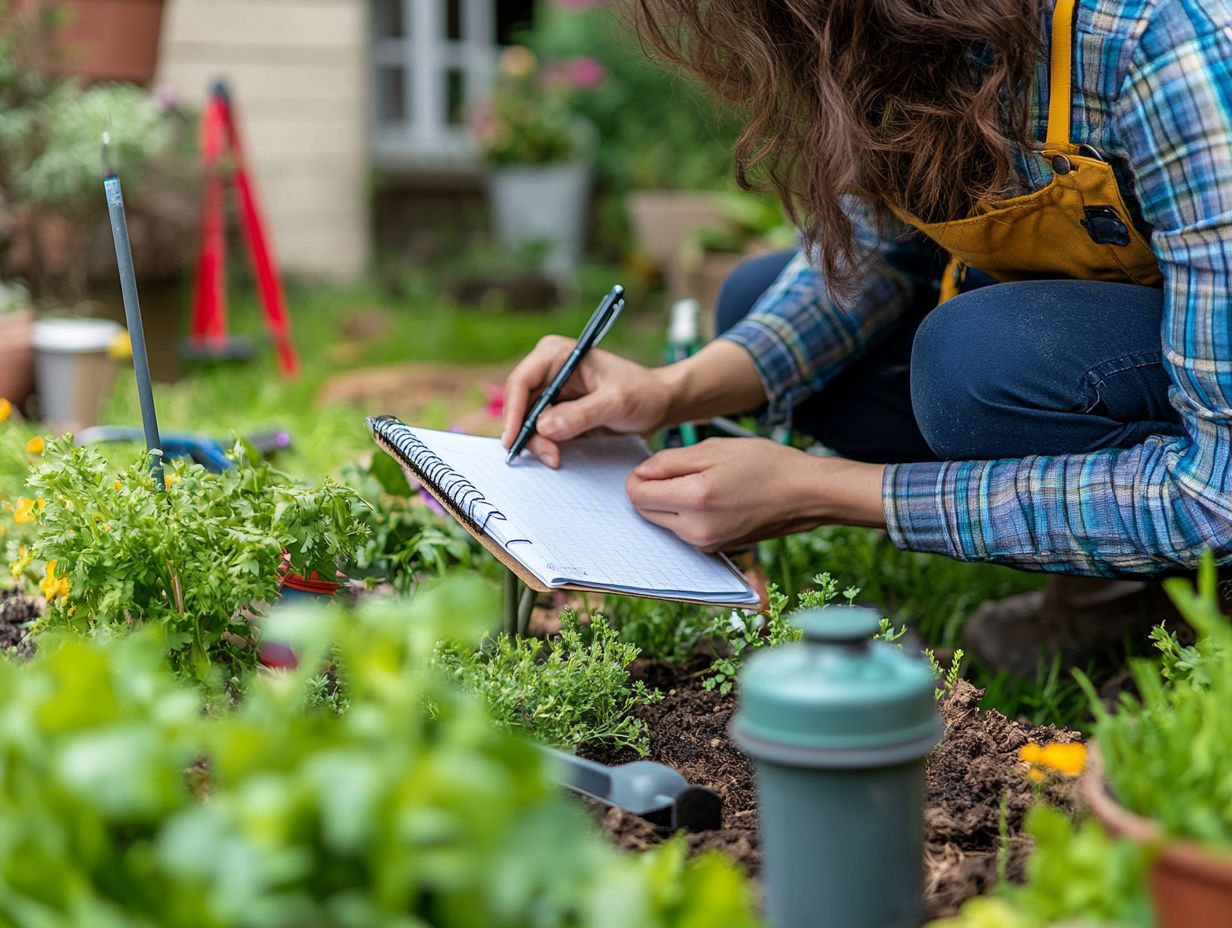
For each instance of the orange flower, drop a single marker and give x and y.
(118, 485)
(51, 585)
(1042, 760)
(36, 445)
(6, 409)
(171, 479)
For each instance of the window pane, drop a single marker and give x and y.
(391, 104)
(453, 19)
(389, 21)
(455, 96)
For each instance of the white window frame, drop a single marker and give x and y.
(427, 140)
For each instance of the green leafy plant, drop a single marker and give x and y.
(119, 553)
(125, 804)
(571, 691)
(1077, 877)
(1167, 750)
(670, 632)
(738, 633)
(407, 541)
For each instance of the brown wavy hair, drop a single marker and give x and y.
(914, 102)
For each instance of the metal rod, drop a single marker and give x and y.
(526, 605)
(132, 314)
(509, 615)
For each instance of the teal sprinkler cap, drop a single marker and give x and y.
(838, 698)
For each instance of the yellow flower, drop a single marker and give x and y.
(6, 409)
(36, 445)
(51, 585)
(171, 479)
(24, 558)
(118, 485)
(518, 61)
(1065, 759)
(25, 513)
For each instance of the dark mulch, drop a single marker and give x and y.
(975, 786)
(16, 613)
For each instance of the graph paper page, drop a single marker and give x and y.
(576, 525)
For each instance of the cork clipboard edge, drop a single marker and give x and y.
(518, 569)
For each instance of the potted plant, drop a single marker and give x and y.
(57, 236)
(321, 528)
(666, 145)
(16, 346)
(97, 40)
(539, 158)
(1160, 777)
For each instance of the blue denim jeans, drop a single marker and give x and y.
(1000, 371)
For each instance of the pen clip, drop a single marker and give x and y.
(612, 314)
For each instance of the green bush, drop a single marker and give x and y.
(655, 129)
(120, 553)
(125, 805)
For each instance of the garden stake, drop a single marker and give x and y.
(651, 790)
(509, 609)
(132, 313)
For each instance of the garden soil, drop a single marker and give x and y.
(975, 787)
(16, 613)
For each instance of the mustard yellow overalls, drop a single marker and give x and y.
(1077, 226)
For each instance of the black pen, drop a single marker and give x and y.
(600, 321)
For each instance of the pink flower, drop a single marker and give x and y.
(496, 402)
(586, 73)
(575, 74)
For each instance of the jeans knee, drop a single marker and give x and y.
(955, 381)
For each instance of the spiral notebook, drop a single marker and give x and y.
(573, 527)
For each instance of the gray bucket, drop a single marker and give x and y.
(73, 370)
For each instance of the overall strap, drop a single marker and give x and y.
(1060, 103)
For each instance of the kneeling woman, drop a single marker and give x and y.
(1060, 178)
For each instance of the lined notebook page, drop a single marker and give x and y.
(576, 525)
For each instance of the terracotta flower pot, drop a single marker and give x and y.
(17, 356)
(102, 40)
(1191, 885)
(663, 219)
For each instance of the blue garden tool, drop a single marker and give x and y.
(202, 449)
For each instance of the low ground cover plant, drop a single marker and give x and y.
(118, 553)
(572, 690)
(125, 804)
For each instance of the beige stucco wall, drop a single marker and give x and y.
(298, 69)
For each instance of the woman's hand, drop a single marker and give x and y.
(606, 392)
(730, 491)
(609, 392)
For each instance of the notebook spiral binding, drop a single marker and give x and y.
(468, 502)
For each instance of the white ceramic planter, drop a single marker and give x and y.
(542, 203)
(74, 372)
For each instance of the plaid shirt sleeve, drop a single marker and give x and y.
(1160, 504)
(801, 338)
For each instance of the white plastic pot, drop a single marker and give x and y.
(543, 203)
(73, 370)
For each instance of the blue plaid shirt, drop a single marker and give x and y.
(1153, 93)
